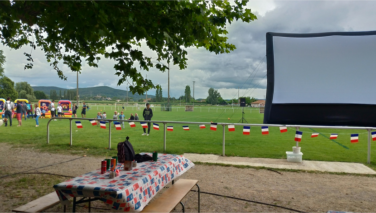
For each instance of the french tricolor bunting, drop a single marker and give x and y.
(170, 128)
(354, 138)
(144, 125)
(333, 136)
(202, 126)
(103, 124)
(79, 124)
(132, 124)
(93, 122)
(213, 126)
(231, 128)
(186, 128)
(246, 130)
(373, 136)
(283, 129)
(314, 135)
(155, 126)
(298, 136)
(264, 130)
(117, 125)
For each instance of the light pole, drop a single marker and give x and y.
(168, 89)
(193, 93)
(77, 89)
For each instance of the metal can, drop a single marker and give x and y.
(113, 164)
(104, 166)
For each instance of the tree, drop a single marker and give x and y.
(187, 94)
(40, 95)
(160, 96)
(24, 89)
(81, 31)
(53, 95)
(157, 94)
(7, 88)
(214, 97)
(2, 62)
(60, 95)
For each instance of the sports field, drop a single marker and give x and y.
(92, 140)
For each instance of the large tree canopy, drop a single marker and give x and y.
(72, 31)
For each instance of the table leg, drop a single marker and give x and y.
(74, 204)
(182, 205)
(198, 191)
(173, 181)
(89, 205)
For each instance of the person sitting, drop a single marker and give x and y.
(136, 117)
(104, 116)
(132, 117)
(43, 115)
(99, 117)
(115, 117)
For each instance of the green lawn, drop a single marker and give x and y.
(91, 140)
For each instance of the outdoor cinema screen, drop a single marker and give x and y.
(321, 79)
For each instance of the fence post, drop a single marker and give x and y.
(164, 137)
(70, 128)
(369, 147)
(109, 134)
(223, 141)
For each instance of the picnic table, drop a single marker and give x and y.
(131, 190)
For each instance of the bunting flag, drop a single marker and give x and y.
(79, 124)
(103, 124)
(93, 122)
(231, 128)
(144, 125)
(298, 136)
(170, 128)
(246, 130)
(186, 128)
(213, 126)
(354, 138)
(283, 129)
(155, 126)
(314, 135)
(373, 136)
(132, 124)
(333, 136)
(202, 126)
(117, 125)
(264, 130)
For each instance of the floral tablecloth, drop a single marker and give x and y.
(131, 190)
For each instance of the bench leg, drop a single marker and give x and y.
(65, 208)
(198, 192)
(74, 204)
(89, 205)
(182, 205)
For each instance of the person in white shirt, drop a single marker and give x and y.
(37, 114)
(8, 108)
(53, 110)
(60, 110)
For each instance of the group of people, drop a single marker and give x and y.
(20, 109)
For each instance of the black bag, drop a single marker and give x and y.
(125, 151)
(142, 158)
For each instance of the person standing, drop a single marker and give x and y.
(115, 117)
(53, 110)
(59, 111)
(8, 108)
(131, 118)
(23, 109)
(37, 114)
(30, 110)
(75, 107)
(83, 112)
(147, 114)
(19, 112)
(122, 117)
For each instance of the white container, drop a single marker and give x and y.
(296, 150)
(294, 157)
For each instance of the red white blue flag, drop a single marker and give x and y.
(264, 130)
(132, 124)
(213, 126)
(283, 129)
(79, 124)
(117, 125)
(155, 126)
(373, 136)
(186, 128)
(298, 136)
(170, 128)
(246, 130)
(103, 124)
(93, 122)
(144, 125)
(231, 128)
(354, 138)
(202, 126)
(314, 135)
(333, 136)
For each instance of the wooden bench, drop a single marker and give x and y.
(167, 201)
(40, 204)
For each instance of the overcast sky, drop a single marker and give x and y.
(244, 68)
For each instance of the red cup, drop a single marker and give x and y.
(103, 167)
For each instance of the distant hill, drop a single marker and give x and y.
(94, 91)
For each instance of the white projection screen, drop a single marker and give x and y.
(321, 79)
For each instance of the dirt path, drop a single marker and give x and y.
(301, 191)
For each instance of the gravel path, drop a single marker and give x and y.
(297, 190)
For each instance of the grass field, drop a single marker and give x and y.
(91, 140)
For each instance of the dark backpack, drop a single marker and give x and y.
(125, 151)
